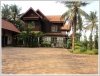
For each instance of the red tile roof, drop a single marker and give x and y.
(9, 26)
(66, 27)
(55, 18)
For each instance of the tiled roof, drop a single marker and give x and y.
(55, 18)
(66, 27)
(9, 26)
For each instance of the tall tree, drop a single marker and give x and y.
(74, 14)
(5, 11)
(11, 13)
(92, 20)
(14, 11)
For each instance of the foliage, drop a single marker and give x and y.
(68, 44)
(92, 20)
(11, 13)
(74, 14)
(96, 41)
(45, 44)
(5, 11)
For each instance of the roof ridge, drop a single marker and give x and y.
(32, 10)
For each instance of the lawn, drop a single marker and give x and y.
(47, 61)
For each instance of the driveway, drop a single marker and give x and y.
(47, 61)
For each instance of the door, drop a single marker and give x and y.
(4, 40)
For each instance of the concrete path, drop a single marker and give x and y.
(47, 61)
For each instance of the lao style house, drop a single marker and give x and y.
(8, 32)
(52, 26)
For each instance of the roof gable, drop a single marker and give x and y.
(41, 14)
(30, 13)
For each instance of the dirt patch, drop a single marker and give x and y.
(47, 61)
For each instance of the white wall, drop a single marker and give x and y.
(9, 40)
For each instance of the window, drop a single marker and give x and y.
(31, 24)
(54, 28)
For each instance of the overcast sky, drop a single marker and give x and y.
(50, 7)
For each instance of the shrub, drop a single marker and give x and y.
(95, 51)
(45, 44)
(83, 49)
(68, 44)
(77, 47)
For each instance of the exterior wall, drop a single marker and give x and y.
(46, 26)
(7, 37)
(36, 25)
(58, 42)
(58, 25)
(47, 39)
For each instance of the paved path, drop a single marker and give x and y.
(47, 61)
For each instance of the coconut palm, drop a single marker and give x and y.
(74, 14)
(92, 20)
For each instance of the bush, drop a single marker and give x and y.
(77, 47)
(95, 51)
(68, 44)
(83, 49)
(45, 44)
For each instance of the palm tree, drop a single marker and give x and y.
(74, 14)
(92, 20)
(96, 38)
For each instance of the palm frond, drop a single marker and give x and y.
(65, 15)
(79, 22)
(70, 4)
(83, 13)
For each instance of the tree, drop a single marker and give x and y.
(11, 13)
(96, 38)
(92, 20)
(14, 12)
(74, 14)
(5, 11)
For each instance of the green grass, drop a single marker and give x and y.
(90, 52)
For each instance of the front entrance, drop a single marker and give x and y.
(4, 40)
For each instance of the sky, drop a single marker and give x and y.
(52, 7)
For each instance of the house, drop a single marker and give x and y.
(53, 26)
(8, 32)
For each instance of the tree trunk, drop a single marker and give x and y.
(73, 40)
(74, 32)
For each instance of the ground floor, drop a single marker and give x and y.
(47, 61)
(8, 37)
(55, 41)
(52, 41)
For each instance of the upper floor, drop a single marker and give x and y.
(39, 22)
